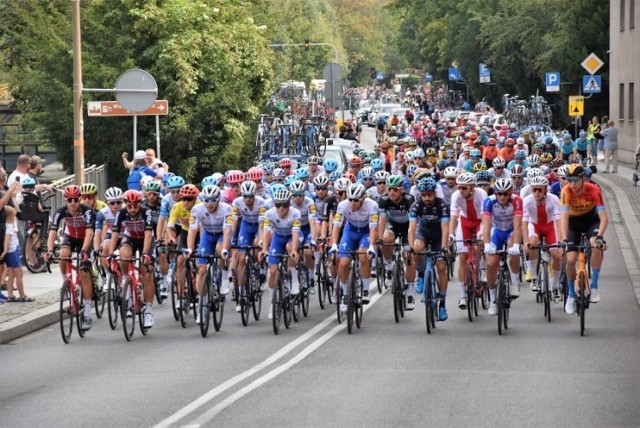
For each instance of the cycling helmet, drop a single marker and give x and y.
(539, 181)
(548, 139)
(451, 172)
(351, 176)
(519, 140)
(418, 153)
(502, 185)
(367, 172)
(442, 164)
(448, 144)
(562, 170)
(88, 189)
(546, 157)
(285, 163)
(208, 181)
(483, 176)
(321, 180)
(330, 165)
(587, 172)
(302, 173)
(430, 152)
(189, 191)
(235, 177)
(279, 173)
(427, 185)
(498, 162)
(268, 167)
(534, 160)
(72, 191)
(288, 180)
(166, 176)
(381, 176)
(538, 146)
(521, 155)
(342, 184)
(113, 194)
(282, 195)
(275, 187)
(145, 180)
(298, 186)
(467, 178)
(211, 191)
(480, 166)
(517, 171)
(582, 134)
(575, 170)
(153, 186)
(248, 188)
(220, 177)
(395, 181)
(355, 162)
(411, 169)
(409, 155)
(132, 197)
(356, 191)
(555, 163)
(357, 151)
(28, 182)
(175, 182)
(255, 174)
(313, 159)
(335, 175)
(377, 164)
(510, 142)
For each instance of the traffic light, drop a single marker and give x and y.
(306, 44)
(373, 72)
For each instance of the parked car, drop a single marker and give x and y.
(363, 110)
(347, 146)
(335, 152)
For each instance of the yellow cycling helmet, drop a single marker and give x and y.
(88, 189)
(481, 165)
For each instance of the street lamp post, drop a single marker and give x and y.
(78, 125)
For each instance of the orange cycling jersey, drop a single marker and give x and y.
(580, 205)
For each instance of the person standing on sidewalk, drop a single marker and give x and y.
(11, 257)
(609, 134)
(592, 130)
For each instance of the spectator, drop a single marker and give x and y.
(21, 171)
(139, 170)
(609, 135)
(11, 257)
(150, 158)
(6, 199)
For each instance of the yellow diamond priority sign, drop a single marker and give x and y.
(592, 63)
(576, 105)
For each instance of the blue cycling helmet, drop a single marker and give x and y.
(28, 182)
(290, 179)
(582, 134)
(475, 153)
(427, 185)
(521, 155)
(330, 165)
(588, 172)
(175, 182)
(268, 167)
(411, 169)
(302, 173)
(209, 181)
(442, 164)
(483, 176)
(166, 176)
(335, 175)
(275, 187)
(376, 164)
(548, 139)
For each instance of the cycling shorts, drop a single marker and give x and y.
(352, 239)
(548, 231)
(464, 232)
(74, 243)
(135, 244)
(305, 233)
(399, 230)
(588, 225)
(427, 236)
(208, 244)
(236, 234)
(247, 234)
(500, 238)
(278, 246)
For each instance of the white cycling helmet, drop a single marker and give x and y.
(418, 153)
(381, 176)
(498, 162)
(113, 194)
(210, 191)
(356, 191)
(539, 181)
(248, 188)
(321, 180)
(534, 172)
(562, 170)
(282, 195)
(534, 160)
(502, 185)
(451, 172)
(145, 180)
(342, 184)
(517, 171)
(298, 186)
(467, 178)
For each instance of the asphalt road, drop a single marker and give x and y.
(315, 374)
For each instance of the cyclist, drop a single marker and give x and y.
(314, 168)
(502, 227)
(232, 191)
(448, 184)
(105, 219)
(213, 221)
(252, 208)
(520, 158)
(88, 194)
(582, 211)
(375, 192)
(517, 178)
(173, 186)
(466, 214)
(359, 216)
(281, 236)
(428, 226)
(541, 219)
(330, 209)
(567, 148)
(308, 231)
(79, 224)
(508, 152)
(256, 175)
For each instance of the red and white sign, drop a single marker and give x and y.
(113, 108)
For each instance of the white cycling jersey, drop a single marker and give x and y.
(544, 213)
(307, 208)
(253, 215)
(213, 222)
(366, 216)
(283, 226)
(468, 208)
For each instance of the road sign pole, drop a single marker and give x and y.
(158, 137)
(78, 126)
(135, 135)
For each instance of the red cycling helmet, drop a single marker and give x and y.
(72, 191)
(351, 176)
(132, 197)
(189, 191)
(235, 177)
(355, 161)
(255, 174)
(285, 163)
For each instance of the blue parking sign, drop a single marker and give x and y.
(552, 81)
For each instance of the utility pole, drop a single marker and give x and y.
(78, 124)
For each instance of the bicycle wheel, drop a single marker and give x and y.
(546, 292)
(126, 310)
(295, 305)
(79, 311)
(321, 148)
(204, 306)
(304, 290)
(245, 293)
(484, 296)
(217, 301)
(176, 301)
(321, 279)
(256, 296)
(66, 315)
(380, 272)
(191, 289)
(581, 300)
(337, 303)
(141, 310)
(157, 282)
(185, 300)
(100, 299)
(286, 302)
(501, 284)
(34, 258)
(113, 296)
(396, 288)
(470, 285)
(351, 295)
(428, 300)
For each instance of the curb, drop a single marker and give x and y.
(29, 323)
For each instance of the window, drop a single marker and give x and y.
(632, 14)
(632, 113)
(621, 102)
(622, 6)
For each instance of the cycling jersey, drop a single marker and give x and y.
(330, 207)
(307, 209)
(364, 218)
(429, 219)
(540, 218)
(586, 204)
(212, 223)
(228, 195)
(155, 212)
(447, 192)
(253, 215)
(132, 227)
(74, 226)
(469, 211)
(373, 193)
(180, 214)
(282, 226)
(320, 206)
(396, 212)
(502, 217)
(104, 222)
(165, 206)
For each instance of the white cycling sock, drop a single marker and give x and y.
(87, 308)
(343, 286)
(463, 291)
(148, 308)
(365, 284)
(532, 268)
(556, 279)
(514, 278)
(492, 295)
(271, 291)
(294, 276)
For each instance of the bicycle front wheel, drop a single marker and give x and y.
(66, 315)
(396, 287)
(34, 258)
(126, 310)
(351, 293)
(429, 301)
(546, 292)
(217, 301)
(204, 306)
(245, 294)
(582, 300)
(500, 296)
(304, 291)
(321, 278)
(113, 297)
(256, 298)
(470, 292)
(176, 301)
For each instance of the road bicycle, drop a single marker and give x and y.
(98, 280)
(430, 293)
(545, 292)
(281, 302)
(503, 296)
(398, 281)
(353, 297)
(184, 297)
(476, 290)
(582, 284)
(71, 307)
(323, 279)
(211, 303)
(131, 298)
(250, 291)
